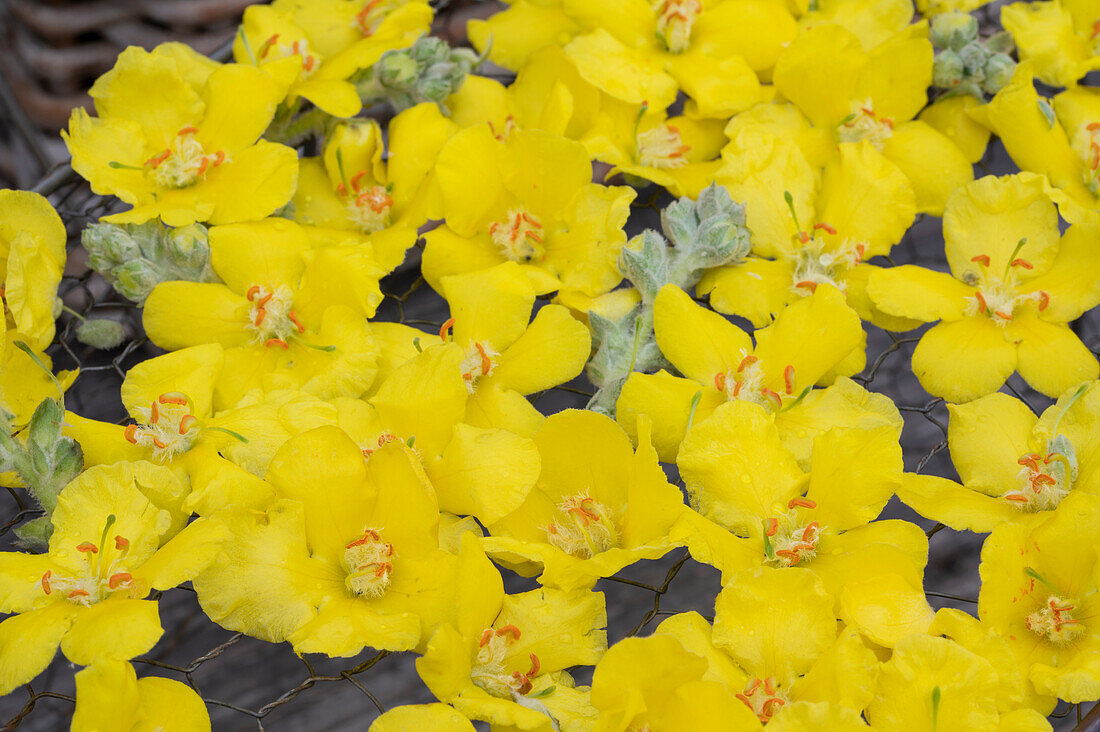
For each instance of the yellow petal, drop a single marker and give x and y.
(185, 555)
(257, 181)
(182, 314)
(964, 359)
(29, 641)
(931, 161)
(94, 143)
(1070, 293)
(470, 200)
(112, 630)
(344, 626)
(1046, 37)
(552, 350)
(897, 76)
(756, 31)
(1052, 357)
(756, 289)
(422, 716)
(240, 101)
(172, 704)
(107, 694)
(987, 436)
(844, 675)
(514, 34)
(447, 253)
(698, 342)
(545, 171)
(805, 716)
(821, 91)
(854, 473)
(953, 505)
(950, 116)
(192, 371)
(667, 401)
(885, 609)
(492, 306)
(720, 87)
(915, 292)
(624, 73)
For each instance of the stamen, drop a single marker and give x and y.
(828, 229)
(87, 546)
(276, 342)
(803, 502)
(447, 325)
(982, 259)
(788, 378)
(46, 581)
(720, 381)
(509, 630)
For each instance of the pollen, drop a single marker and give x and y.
(998, 297)
(166, 426)
(519, 236)
(1054, 621)
(820, 262)
(583, 527)
(661, 147)
(763, 697)
(184, 162)
(367, 207)
(748, 382)
(271, 317)
(1044, 480)
(863, 124)
(489, 669)
(675, 19)
(787, 540)
(480, 360)
(369, 563)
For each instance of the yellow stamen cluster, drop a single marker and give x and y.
(787, 540)
(583, 527)
(480, 360)
(864, 124)
(184, 162)
(674, 21)
(748, 382)
(368, 207)
(1042, 483)
(1054, 621)
(100, 579)
(1087, 144)
(369, 563)
(271, 317)
(519, 237)
(661, 147)
(817, 262)
(763, 697)
(997, 297)
(167, 426)
(489, 672)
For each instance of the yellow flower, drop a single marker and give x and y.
(350, 561)
(526, 199)
(874, 95)
(862, 206)
(1011, 461)
(32, 256)
(1057, 138)
(290, 315)
(598, 505)
(1058, 37)
(109, 695)
(350, 188)
(513, 35)
(655, 683)
(178, 139)
(86, 593)
(1039, 593)
(1014, 284)
(743, 480)
(329, 41)
(953, 116)
(23, 382)
(503, 659)
(809, 343)
(422, 716)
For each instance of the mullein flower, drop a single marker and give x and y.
(329, 41)
(427, 716)
(1014, 285)
(1039, 593)
(108, 551)
(758, 507)
(526, 199)
(1057, 37)
(866, 96)
(290, 316)
(1011, 462)
(109, 695)
(720, 363)
(806, 232)
(598, 506)
(32, 256)
(178, 139)
(503, 659)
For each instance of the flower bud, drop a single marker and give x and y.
(947, 70)
(953, 30)
(998, 72)
(101, 333)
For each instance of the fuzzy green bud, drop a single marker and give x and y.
(998, 72)
(953, 30)
(947, 70)
(135, 258)
(101, 333)
(974, 57)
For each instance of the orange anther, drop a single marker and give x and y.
(159, 158)
(1017, 498)
(752, 687)
(982, 259)
(769, 686)
(720, 381)
(868, 112)
(219, 157)
(888, 121)
(774, 396)
(1021, 263)
(810, 527)
(1043, 478)
(533, 236)
(118, 579)
(46, 581)
(263, 300)
(771, 527)
(79, 593)
(485, 636)
(1031, 460)
(341, 189)
(309, 62)
(276, 342)
(745, 699)
(746, 362)
(297, 323)
(788, 378)
(173, 398)
(268, 44)
(188, 130)
(87, 546)
(252, 292)
(383, 569)
(361, 16)
(525, 683)
(982, 304)
(531, 220)
(261, 313)
(1002, 315)
(509, 630)
(536, 666)
(159, 443)
(122, 543)
(861, 252)
(1092, 126)
(486, 363)
(807, 285)
(822, 225)
(187, 423)
(154, 413)
(356, 178)
(803, 502)
(1044, 300)
(446, 327)
(131, 433)
(792, 556)
(202, 167)
(768, 708)
(803, 237)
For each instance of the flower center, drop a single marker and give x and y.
(367, 208)
(369, 562)
(509, 126)
(1087, 144)
(1054, 621)
(100, 579)
(661, 147)
(1044, 480)
(996, 297)
(748, 382)
(167, 426)
(275, 50)
(816, 263)
(787, 541)
(270, 317)
(184, 162)
(864, 124)
(519, 236)
(674, 21)
(763, 698)
(583, 527)
(480, 360)
(489, 672)
(370, 17)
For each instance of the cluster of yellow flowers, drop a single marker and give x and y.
(340, 483)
